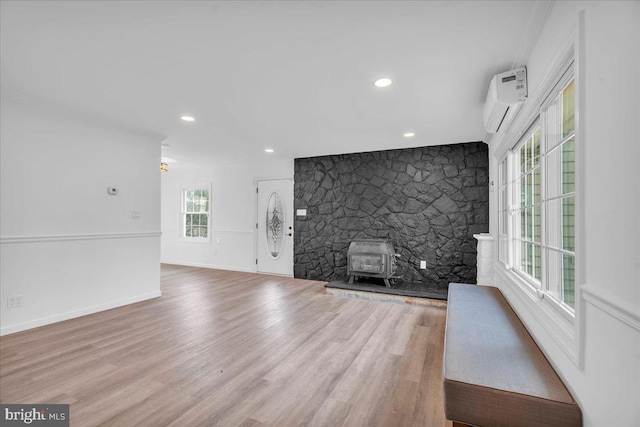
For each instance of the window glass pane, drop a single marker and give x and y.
(187, 231)
(553, 174)
(529, 223)
(196, 220)
(195, 232)
(522, 225)
(552, 223)
(529, 189)
(523, 191)
(568, 224)
(529, 259)
(523, 158)
(568, 280)
(568, 110)
(205, 195)
(206, 207)
(537, 229)
(189, 195)
(536, 185)
(196, 201)
(536, 147)
(203, 231)
(554, 261)
(537, 260)
(503, 177)
(189, 206)
(529, 150)
(553, 125)
(188, 219)
(568, 167)
(524, 258)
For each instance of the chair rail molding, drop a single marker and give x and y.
(68, 237)
(612, 305)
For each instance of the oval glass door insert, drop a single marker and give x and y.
(275, 224)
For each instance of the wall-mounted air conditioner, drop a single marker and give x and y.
(506, 92)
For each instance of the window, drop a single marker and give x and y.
(195, 213)
(527, 234)
(537, 180)
(560, 194)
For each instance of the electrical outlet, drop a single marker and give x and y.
(14, 301)
(423, 265)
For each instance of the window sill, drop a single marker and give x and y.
(195, 240)
(545, 312)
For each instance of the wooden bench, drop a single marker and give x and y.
(494, 373)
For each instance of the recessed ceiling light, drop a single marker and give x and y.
(383, 82)
(409, 134)
(268, 150)
(188, 119)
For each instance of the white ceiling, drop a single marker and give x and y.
(295, 76)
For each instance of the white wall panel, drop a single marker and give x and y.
(67, 246)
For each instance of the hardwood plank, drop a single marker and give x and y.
(235, 349)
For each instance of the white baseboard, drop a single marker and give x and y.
(11, 329)
(212, 266)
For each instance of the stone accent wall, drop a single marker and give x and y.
(428, 201)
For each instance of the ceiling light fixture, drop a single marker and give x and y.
(383, 82)
(409, 134)
(188, 119)
(268, 150)
(164, 167)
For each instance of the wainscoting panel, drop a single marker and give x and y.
(66, 276)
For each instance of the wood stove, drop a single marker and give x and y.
(371, 258)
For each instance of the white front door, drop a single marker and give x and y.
(275, 226)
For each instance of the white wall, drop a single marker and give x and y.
(67, 246)
(233, 211)
(606, 380)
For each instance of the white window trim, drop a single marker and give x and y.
(567, 330)
(181, 213)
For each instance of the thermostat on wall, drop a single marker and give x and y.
(112, 190)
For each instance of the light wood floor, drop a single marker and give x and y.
(226, 348)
